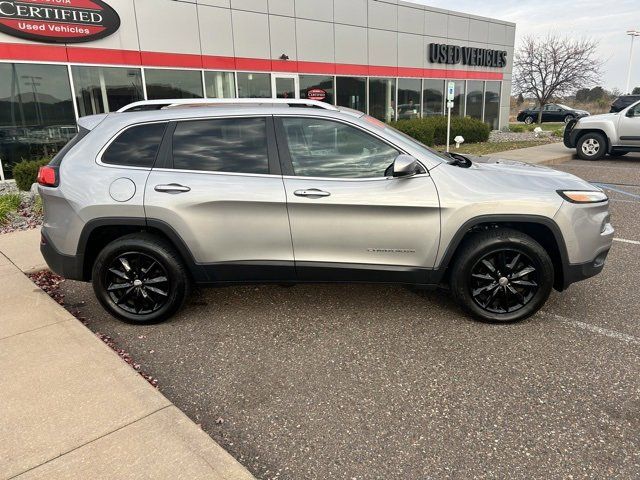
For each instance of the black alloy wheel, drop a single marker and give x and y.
(501, 275)
(504, 281)
(140, 278)
(137, 283)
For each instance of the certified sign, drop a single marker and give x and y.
(58, 21)
(316, 94)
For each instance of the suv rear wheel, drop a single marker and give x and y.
(501, 275)
(592, 146)
(140, 278)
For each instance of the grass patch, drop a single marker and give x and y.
(9, 203)
(485, 148)
(550, 127)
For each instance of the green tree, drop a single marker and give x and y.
(636, 91)
(582, 95)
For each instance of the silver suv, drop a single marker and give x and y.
(615, 134)
(145, 203)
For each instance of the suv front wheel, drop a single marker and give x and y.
(592, 146)
(140, 278)
(501, 275)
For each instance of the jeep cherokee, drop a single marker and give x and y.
(146, 202)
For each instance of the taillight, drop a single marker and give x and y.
(48, 176)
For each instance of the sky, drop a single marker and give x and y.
(606, 21)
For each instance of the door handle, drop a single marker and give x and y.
(172, 188)
(311, 193)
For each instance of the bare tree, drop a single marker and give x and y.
(555, 66)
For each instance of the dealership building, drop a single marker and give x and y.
(64, 59)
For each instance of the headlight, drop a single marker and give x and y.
(583, 196)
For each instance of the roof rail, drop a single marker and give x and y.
(146, 105)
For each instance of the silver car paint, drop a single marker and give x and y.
(614, 126)
(234, 217)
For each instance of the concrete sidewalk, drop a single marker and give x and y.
(547, 154)
(71, 408)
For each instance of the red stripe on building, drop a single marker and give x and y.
(103, 55)
(59, 53)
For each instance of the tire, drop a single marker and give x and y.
(618, 153)
(528, 120)
(126, 265)
(568, 118)
(507, 296)
(591, 146)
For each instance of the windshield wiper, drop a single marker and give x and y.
(458, 160)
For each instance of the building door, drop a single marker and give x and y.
(285, 86)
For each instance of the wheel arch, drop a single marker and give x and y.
(97, 233)
(542, 229)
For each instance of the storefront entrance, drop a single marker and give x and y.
(285, 86)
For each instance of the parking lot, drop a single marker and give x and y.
(374, 381)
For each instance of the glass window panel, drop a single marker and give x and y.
(222, 145)
(105, 89)
(352, 92)
(474, 99)
(36, 112)
(433, 97)
(254, 85)
(136, 147)
(382, 96)
(220, 84)
(492, 104)
(409, 98)
(173, 83)
(314, 87)
(324, 148)
(458, 100)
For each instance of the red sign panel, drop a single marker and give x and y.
(58, 21)
(316, 94)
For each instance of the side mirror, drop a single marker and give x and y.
(405, 166)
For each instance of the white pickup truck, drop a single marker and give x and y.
(615, 134)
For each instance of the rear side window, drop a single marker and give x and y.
(57, 160)
(237, 145)
(136, 147)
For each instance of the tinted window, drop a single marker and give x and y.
(223, 145)
(136, 146)
(323, 148)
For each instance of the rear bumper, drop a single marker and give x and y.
(67, 266)
(576, 272)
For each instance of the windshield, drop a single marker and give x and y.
(564, 106)
(394, 133)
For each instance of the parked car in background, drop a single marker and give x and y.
(622, 102)
(552, 112)
(144, 204)
(407, 111)
(615, 134)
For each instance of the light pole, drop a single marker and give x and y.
(633, 34)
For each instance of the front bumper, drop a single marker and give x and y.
(67, 266)
(581, 271)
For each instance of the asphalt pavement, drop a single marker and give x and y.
(370, 381)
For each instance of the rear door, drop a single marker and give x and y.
(217, 185)
(629, 127)
(350, 221)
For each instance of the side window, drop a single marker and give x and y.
(136, 147)
(324, 148)
(634, 111)
(236, 145)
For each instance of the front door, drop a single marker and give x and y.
(217, 184)
(629, 127)
(349, 219)
(285, 86)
